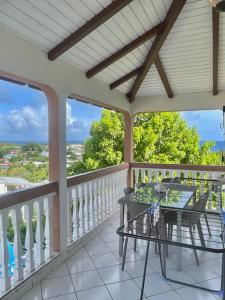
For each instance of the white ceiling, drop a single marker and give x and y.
(186, 54)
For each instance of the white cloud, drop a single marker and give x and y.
(25, 121)
(73, 124)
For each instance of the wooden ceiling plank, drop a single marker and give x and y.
(170, 19)
(215, 29)
(87, 28)
(163, 76)
(125, 50)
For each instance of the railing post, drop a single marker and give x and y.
(57, 166)
(128, 145)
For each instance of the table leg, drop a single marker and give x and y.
(179, 240)
(121, 223)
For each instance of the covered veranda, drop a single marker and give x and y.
(130, 56)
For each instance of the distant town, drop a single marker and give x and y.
(26, 164)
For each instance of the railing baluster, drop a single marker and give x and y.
(82, 203)
(29, 239)
(17, 245)
(48, 227)
(93, 203)
(70, 226)
(88, 201)
(39, 233)
(5, 280)
(76, 212)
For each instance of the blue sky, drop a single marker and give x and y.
(24, 117)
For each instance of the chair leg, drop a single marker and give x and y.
(207, 224)
(145, 269)
(193, 243)
(124, 253)
(201, 234)
(135, 245)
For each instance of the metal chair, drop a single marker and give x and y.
(189, 220)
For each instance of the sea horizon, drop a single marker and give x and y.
(37, 142)
(219, 144)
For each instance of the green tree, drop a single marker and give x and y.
(158, 138)
(32, 147)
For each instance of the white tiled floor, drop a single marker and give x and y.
(94, 273)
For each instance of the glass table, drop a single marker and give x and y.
(176, 196)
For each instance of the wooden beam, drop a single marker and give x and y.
(87, 28)
(170, 19)
(215, 28)
(125, 78)
(125, 50)
(163, 76)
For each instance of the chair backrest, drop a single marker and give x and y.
(128, 190)
(200, 205)
(140, 185)
(173, 180)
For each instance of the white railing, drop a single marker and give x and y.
(25, 233)
(144, 172)
(92, 197)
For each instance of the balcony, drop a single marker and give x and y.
(145, 56)
(89, 268)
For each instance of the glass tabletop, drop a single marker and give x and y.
(176, 195)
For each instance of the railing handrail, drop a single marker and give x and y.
(85, 177)
(178, 167)
(19, 196)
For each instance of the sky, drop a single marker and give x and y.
(24, 117)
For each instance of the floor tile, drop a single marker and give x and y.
(131, 255)
(86, 280)
(215, 265)
(96, 249)
(108, 229)
(60, 271)
(96, 240)
(214, 284)
(81, 253)
(154, 284)
(200, 273)
(113, 274)
(188, 293)
(108, 237)
(99, 293)
(80, 265)
(34, 294)
(155, 263)
(136, 268)
(179, 276)
(104, 260)
(57, 287)
(172, 295)
(64, 297)
(124, 290)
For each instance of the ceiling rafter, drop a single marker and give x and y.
(135, 72)
(170, 19)
(125, 50)
(215, 30)
(87, 28)
(163, 76)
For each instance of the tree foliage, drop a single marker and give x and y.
(158, 138)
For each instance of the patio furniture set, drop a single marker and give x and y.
(179, 212)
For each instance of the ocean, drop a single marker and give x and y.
(37, 142)
(219, 145)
